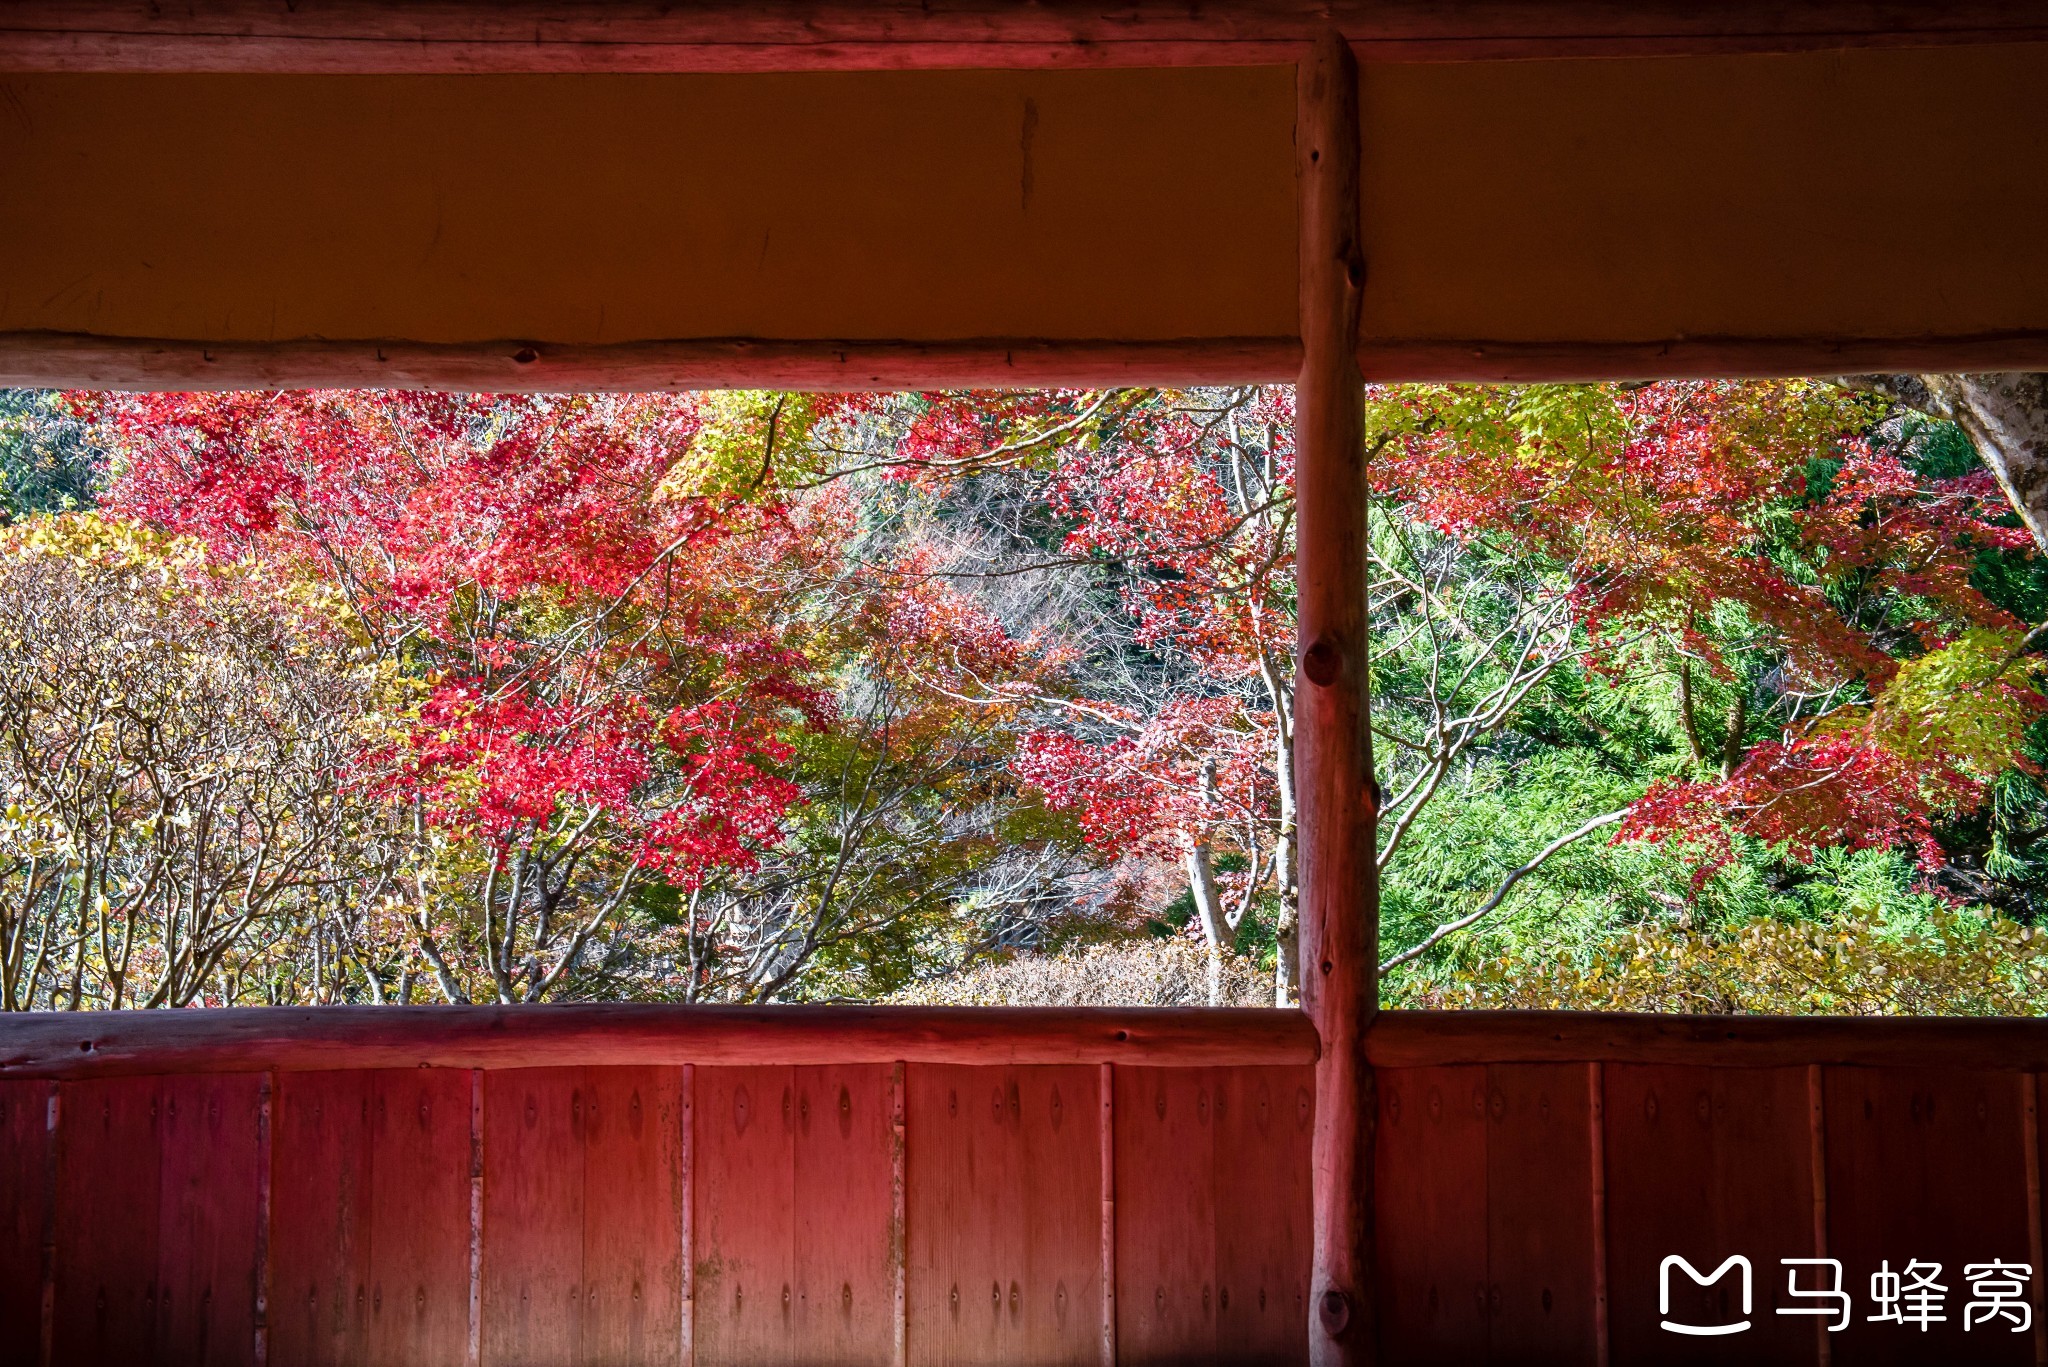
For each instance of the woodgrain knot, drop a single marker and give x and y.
(1333, 1311)
(1322, 664)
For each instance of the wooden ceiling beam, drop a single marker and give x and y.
(454, 36)
(43, 360)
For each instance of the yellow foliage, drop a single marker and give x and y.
(1963, 964)
(1954, 707)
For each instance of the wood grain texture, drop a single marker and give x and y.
(1005, 1215)
(1411, 1039)
(1166, 1276)
(26, 1217)
(1431, 1209)
(48, 360)
(321, 1185)
(1265, 1122)
(421, 1131)
(1539, 1208)
(109, 1200)
(533, 1216)
(796, 1253)
(844, 1262)
(1212, 1235)
(292, 1039)
(1339, 873)
(210, 1222)
(370, 1218)
(745, 1212)
(1704, 1163)
(632, 1212)
(806, 35)
(1926, 1164)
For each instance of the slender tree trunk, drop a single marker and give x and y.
(1286, 888)
(1202, 887)
(1686, 715)
(1738, 722)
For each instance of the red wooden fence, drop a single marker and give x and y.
(627, 1185)
(1535, 1170)
(597, 1185)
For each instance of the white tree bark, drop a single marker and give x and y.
(2005, 414)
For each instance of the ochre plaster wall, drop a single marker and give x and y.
(1861, 194)
(930, 205)
(1872, 194)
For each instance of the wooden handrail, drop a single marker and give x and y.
(311, 1039)
(1417, 1039)
(304, 1039)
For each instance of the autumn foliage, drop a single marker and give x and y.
(746, 695)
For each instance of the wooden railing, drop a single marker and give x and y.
(1535, 1169)
(645, 1184)
(597, 1184)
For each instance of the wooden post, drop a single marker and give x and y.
(1332, 747)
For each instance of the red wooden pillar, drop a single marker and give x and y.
(1333, 749)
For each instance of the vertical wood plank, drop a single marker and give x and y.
(533, 1216)
(1106, 1085)
(26, 1217)
(208, 1226)
(1264, 1120)
(1005, 1214)
(1339, 933)
(899, 1210)
(1596, 1101)
(841, 1258)
(1165, 1182)
(632, 1198)
(1925, 1164)
(476, 1218)
(1704, 1163)
(688, 1252)
(797, 1219)
(744, 1200)
(1540, 1244)
(49, 1306)
(265, 1156)
(420, 1189)
(1817, 1166)
(320, 1225)
(1431, 1195)
(109, 1194)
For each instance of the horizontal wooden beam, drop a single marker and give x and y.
(785, 35)
(310, 1039)
(73, 361)
(1421, 1039)
(295, 1039)
(1389, 360)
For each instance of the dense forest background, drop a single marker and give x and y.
(1687, 696)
